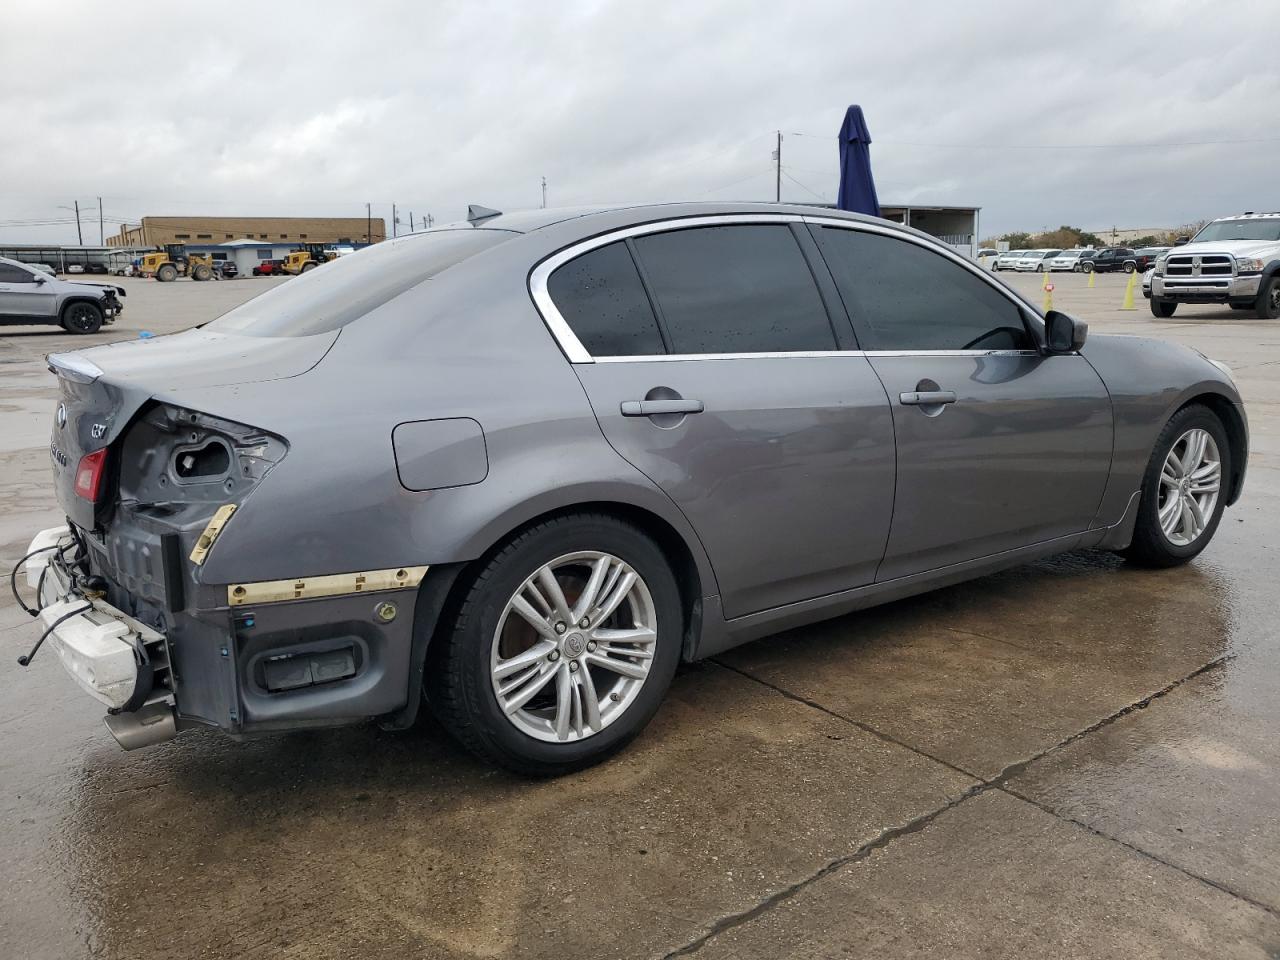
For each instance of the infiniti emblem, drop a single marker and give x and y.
(61, 417)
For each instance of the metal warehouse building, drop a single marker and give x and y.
(157, 231)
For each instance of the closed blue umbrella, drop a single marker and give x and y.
(857, 188)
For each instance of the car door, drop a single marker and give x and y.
(22, 296)
(999, 445)
(714, 366)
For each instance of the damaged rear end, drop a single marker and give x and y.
(148, 484)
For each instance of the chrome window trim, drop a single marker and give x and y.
(577, 353)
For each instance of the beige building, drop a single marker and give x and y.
(157, 231)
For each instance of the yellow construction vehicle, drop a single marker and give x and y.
(175, 262)
(307, 257)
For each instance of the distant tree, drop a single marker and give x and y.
(1186, 230)
(1150, 240)
(1017, 241)
(1087, 239)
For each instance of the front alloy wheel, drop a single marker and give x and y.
(1183, 492)
(1189, 485)
(573, 647)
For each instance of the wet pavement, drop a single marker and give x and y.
(1072, 758)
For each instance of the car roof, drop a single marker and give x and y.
(528, 221)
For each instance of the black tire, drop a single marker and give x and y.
(82, 317)
(1129, 266)
(1087, 267)
(167, 273)
(1149, 546)
(1162, 308)
(309, 265)
(201, 272)
(459, 690)
(1268, 303)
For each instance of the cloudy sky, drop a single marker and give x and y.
(1094, 114)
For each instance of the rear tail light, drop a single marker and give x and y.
(89, 474)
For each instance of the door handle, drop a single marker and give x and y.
(927, 398)
(650, 408)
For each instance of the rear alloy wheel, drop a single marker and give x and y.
(1162, 308)
(1268, 305)
(563, 648)
(1182, 490)
(82, 317)
(1088, 266)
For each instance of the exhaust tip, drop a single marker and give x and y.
(152, 724)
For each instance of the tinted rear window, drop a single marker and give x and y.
(334, 294)
(600, 296)
(735, 289)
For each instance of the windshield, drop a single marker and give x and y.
(1260, 229)
(335, 293)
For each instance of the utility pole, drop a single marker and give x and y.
(368, 223)
(411, 230)
(394, 220)
(79, 234)
(430, 221)
(544, 192)
(777, 171)
(102, 237)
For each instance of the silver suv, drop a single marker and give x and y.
(29, 295)
(1234, 260)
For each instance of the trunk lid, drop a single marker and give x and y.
(101, 390)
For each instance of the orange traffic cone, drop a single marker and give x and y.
(1128, 292)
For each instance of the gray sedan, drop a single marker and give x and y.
(29, 295)
(521, 467)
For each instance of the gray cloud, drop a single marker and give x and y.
(320, 108)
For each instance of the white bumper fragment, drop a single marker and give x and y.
(96, 646)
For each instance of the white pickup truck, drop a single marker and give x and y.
(1233, 260)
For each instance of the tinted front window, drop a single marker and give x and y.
(9, 273)
(336, 293)
(735, 289)
(911, 298)
(600, 296)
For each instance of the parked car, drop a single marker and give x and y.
(1106, 260)
(1035, 261)
(888, 416)
(1146, 282)
(1006, 261)
(267, 268)
(986, 254)
(74, 268)
(1067, 260)
(1233, 261)
(1143, 259)
(225, 269)
(44, 268)
(29, 295)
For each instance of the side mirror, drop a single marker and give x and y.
(40, 278)
(1181, 240)
(1063, 333)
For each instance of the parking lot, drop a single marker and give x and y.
(1073, 758)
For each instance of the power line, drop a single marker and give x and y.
(1055, 146)
(802, 186)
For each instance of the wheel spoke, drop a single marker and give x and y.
(547, 580)
(1195, 451)
(520, 661)
(614, 597)
(638, 635)
(1173, 461)
(1167, 476)
(599, 570)
(1207, 470)
(564, 701)
(1170, 513)
(590, 701)
(1205, 486)
(1196, 515)
(621, 667)
(535, 619)
(531, 688)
